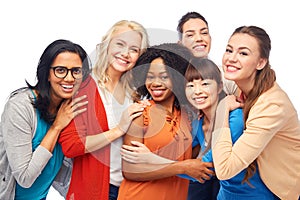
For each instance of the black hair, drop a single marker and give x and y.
(176, 58)
(43, 69)
(185, 18)
(203, 68)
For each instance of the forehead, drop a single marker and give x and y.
(243, 40)
(194, 24)
(127, 35)
(157, 65)
(67, 59)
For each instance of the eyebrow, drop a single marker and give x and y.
(149, 72)
(202, 29)
(240, 48)
(123, 41)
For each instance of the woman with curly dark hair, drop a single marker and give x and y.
(164, 127)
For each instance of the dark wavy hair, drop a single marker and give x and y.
(187, 17)
(176, 58)
(43, 69)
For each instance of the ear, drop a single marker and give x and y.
(262, 63)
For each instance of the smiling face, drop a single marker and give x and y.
(158, 82)
(64, 88)
(124, 50)
(203, 94)
(242, 59)
(196, 37)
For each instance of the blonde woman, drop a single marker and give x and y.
(94, 139)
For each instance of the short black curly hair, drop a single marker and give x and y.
(175, 56)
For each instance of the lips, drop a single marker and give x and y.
(122, 61)
(199, 99)
(157, 93)
(199, 47)
(231, 68)
(67, 88)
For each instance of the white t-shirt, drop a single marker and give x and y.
(114, 111)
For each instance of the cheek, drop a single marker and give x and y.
(134, 57)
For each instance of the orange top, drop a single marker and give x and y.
(172, 141)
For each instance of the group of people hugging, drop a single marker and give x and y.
(152, 121)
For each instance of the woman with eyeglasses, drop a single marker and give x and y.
(34, 116)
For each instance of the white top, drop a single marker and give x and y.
(114, 111)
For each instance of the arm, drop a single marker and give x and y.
(89, 131)
(166, 168)
(264, 120)
(76, 139)
(139, 153)
(67, 111)
(18, 126)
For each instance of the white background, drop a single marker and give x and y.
(27, 27)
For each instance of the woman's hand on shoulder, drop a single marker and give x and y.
(232, 102)
(68, 110)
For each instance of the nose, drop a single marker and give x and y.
(198, 89)
(232, 57)
(69, 76)
(156, 81)
(125, 52)
(198, 37)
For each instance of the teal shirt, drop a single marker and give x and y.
(42, 184)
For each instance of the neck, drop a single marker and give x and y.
(245, 86)
(114, 79)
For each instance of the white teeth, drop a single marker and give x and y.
(199, 99)
(122, 61)
(231, 68)
(199, 47)
(68, 86)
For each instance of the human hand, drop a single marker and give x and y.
(68, 110)
(133, 111)
(198, 169)
(232, 102)
(139, 153)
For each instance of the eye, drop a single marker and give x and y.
(244, 53)
(134, 50)
(228, 50)
(150, 77)
(77, 70)
(164, 77)
(119, 44)
(189, 85)
(60, 70)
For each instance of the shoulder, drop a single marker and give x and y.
(275, 99)
(20, 100)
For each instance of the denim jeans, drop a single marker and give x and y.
(204, 191)
(113, 192)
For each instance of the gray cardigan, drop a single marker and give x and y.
(17, 161)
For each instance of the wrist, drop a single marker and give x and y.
(55, 128)
(119, 131)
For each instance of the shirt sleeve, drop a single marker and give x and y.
(265, 119)
(18, 128)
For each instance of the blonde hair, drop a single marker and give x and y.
(102, 64)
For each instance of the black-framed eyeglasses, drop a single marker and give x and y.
(62, 72)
